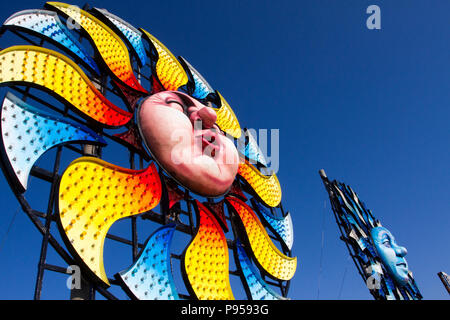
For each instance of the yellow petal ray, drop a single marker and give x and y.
(59, 75)
(110, 46)
(272, 260)
(206, 259)
(170, 72)
(266, 187)
(94, 194)
(226, 119)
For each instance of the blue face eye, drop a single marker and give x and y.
(387, 243)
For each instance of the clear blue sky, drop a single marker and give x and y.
(371, 107)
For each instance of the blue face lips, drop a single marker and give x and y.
(401, 264)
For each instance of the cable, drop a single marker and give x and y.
(321, 250)
(343, 278)
(7, 231)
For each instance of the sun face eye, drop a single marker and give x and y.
(176, 105)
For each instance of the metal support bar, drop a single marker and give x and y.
(38, 214)
(42, 174)
(24, 38)
(54, 268)
(48, 220)
(134, 236)
(445, 280)
(123, 240)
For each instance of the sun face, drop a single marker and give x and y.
(180, 123)
(182, 135)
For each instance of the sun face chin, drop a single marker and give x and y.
(197, 155)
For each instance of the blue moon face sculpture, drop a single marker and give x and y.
(391, 254)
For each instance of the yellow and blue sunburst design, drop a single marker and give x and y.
(91, 194)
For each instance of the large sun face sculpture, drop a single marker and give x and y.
(180, 124)
(181, 133)
(379, 259)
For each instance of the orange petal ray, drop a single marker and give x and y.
(206, 259)
(169, 70)
(60, 76)
(110, 46)
(94, 194)
(272, 260)
(266, 187)
(226, 119)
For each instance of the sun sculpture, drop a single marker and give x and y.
(197, 155)
(380, 260)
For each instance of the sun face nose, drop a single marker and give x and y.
(205, 114)
(208, 117)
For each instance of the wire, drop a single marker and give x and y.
(321, 250)
(7, 231)
(343, 278)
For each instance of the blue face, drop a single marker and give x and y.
(391, 254)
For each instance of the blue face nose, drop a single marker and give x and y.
(400, 251)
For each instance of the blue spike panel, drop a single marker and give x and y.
(259, 289)
(357, 204)
(202, 87)
(150, 277)
(282, 226)
(251, 149)
(350, 215)
(133, 35)
(28, 132)
(47, 23)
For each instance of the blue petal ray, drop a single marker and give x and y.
(27, 133)
(133, 35)
(202, 87)
(281, 225)
(150, 277)
(259, 289)
(250, 149)
(47, 23)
